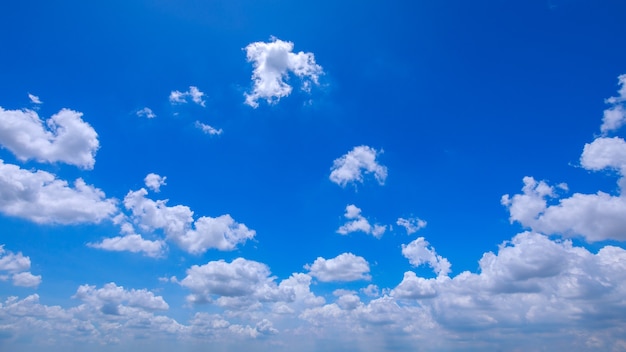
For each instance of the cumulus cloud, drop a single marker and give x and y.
(273, 62)
(615, 116)
(177, 222)
(40, 197)
(110, 297)
(596, 217)
(154, 181)
(360, 160)
(359, 223)
(418, 252)
(344, 267)
(230, 284)
(17, 266)
(178, 97)
(64, 137)
(34, 99)
(133, 243)
(146, 112)
(210, 130)
(412, 225)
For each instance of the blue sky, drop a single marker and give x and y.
(279, 175)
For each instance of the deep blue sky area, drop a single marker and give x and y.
(416, 112)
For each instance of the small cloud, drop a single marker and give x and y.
(359, 223)
(154, 181)
(146, 112)
(34, 99)
(208, 129)
(350, 167)
(178, 97)
(411, 225)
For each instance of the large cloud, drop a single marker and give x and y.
(65, 137)
(344, 267)
(350, 167)
(40, 197)
(272, 63)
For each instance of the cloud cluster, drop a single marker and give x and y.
(178, 97)
(17, 268)
(64, 137)
(358, 222)
(360, 160)
(272, 62)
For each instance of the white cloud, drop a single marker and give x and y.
(34, 99)
(596, 217)
(146, 112)
(350, 167)
(195, 237)
(344, 267)
(65, 137)
(40, 197)
(154, 181)
(272, 64)
(418, 252)
(17, 266)
(412, 225)
(359, 223)
(208, 129)
(615, 116)
(26, 279)
(132, 243)
(178, 97)
(231, 284)
(110, 297)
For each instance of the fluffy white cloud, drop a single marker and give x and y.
(146, 112)
(132, 243)
(154, 181)
(17, 266)
(241, 281)
(344, 267)
(350, 167)
(65, 137)
(195, 237)
(34, 99)
(412, 225)
(596, 217)
(615, 116)
(359, 223)
(40, 197)
(418, 252)
(208, 129)
(178, 97)
(110, 298)
(272, 64)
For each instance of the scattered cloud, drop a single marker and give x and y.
(133, 243)
(110, 297)
(41, 197)
(344, 267)
(412, 225)
(65, 137)
(154, 182)
(208, 129)
(272, 62)
(418, 252)
(34, 99)
(178, 97)
(615, 116)
(350, 167)
(17, 266)
(146, 112)
(358, 222)
(196, 237)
